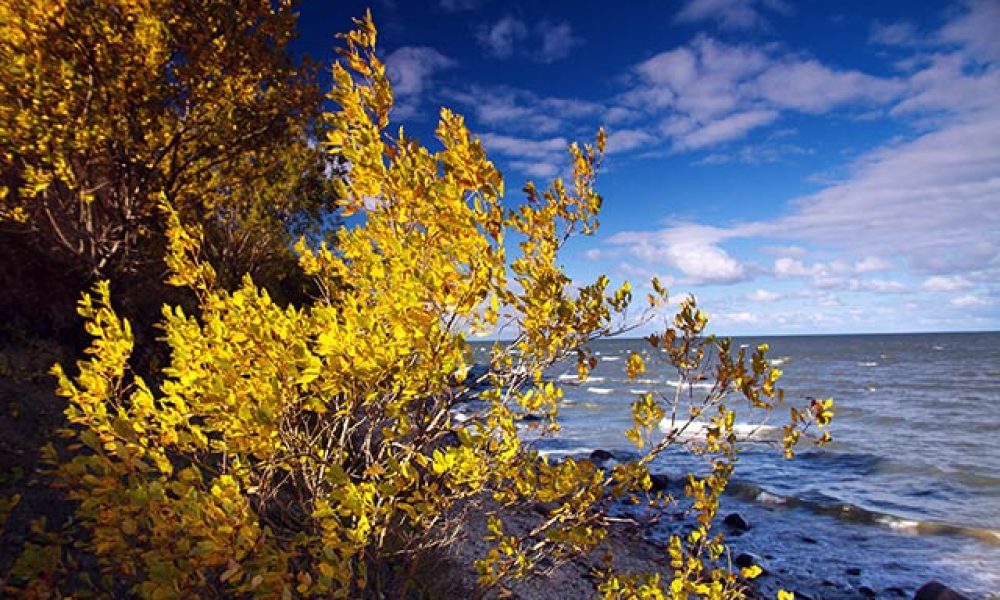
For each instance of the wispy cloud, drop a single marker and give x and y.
(731, 14)
(546, 42)
(410, 68)
(709, 92)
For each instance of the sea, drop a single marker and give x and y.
(908, 491)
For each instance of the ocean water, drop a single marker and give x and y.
(908, 491)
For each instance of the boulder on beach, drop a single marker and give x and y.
(935, 590)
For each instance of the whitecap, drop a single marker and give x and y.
(610, 358)
(698, 385)
(698, 429)
(775, 362)
(769, 498)
(868, 364)
(897, 524)
(597, 390)
(638, 391)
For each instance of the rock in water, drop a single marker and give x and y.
(736, 522)
(659, 481)
(935, 590)
(746, 559)
(599, 456)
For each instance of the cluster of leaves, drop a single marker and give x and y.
(310, 451)
(109, 108)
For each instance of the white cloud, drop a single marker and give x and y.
(760, 295)
(810, 87)
(872, 264)
(409, 69)
(547, 42)
(723, 130)
(709, 92)
(902, 33)
(557, 41)
(542, 159)
(518, 110)
(621, 140)
(970, 301)
(730, 14)
(976, 29)
(501, 38)
(685, 249)
(941, 283)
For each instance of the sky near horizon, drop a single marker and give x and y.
(800, 167)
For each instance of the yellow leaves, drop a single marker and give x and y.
(822, 411)
(751, 572)
(784, 595)
(634, 366)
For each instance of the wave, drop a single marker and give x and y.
(610, 358)
(598, 390)
(573, 378)
(698, 385)
(870, 363)
(698, 429)
(776, 362)
(853, 513)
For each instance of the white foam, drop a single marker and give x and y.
(868, 364)
(573, 378)
(598, 390)
(638, 391)
(698, 385)
(610, 358)
(698, 429)
(899, 524)
(565, 451)
(776, 362)
(769, 498)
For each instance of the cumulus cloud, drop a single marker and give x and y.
(731, 14)
(686, 249)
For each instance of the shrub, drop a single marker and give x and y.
(310, 451)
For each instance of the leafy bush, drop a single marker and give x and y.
(311, 451)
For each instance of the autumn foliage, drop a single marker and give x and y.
(311, 451)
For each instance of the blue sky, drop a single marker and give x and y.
(801, 167)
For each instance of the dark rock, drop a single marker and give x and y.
(736, 522)
(853, 571)
(545, 508)
(531, 418)
(867, 591)
(935, 590)
(659, 481)
(746, 559)
(599, 456)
